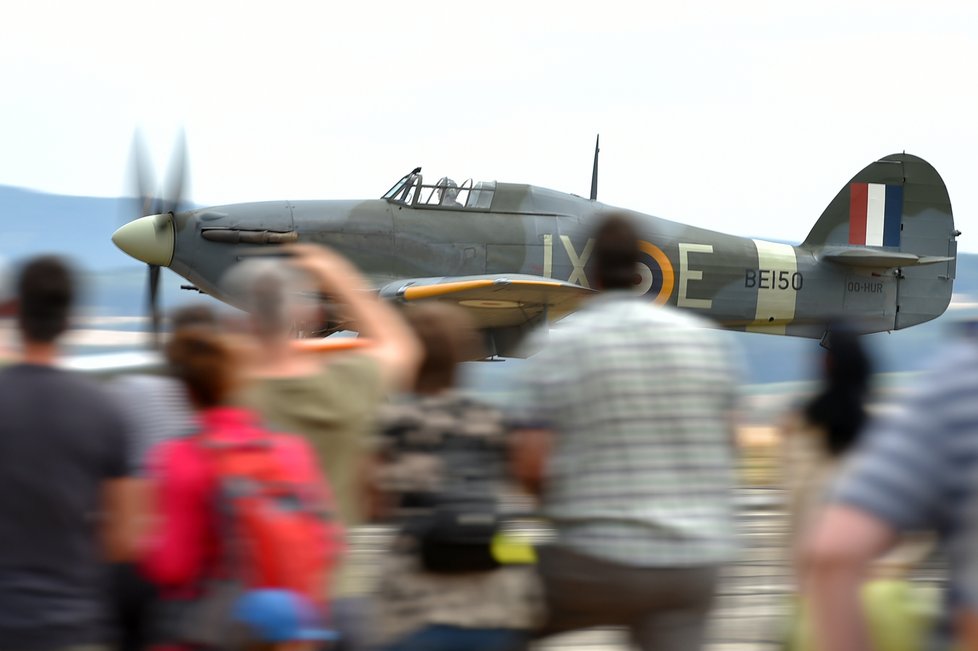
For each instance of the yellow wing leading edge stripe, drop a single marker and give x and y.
(433, 291)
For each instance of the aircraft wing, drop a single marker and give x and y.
(494, 300)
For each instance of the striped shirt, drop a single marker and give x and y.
(640, 399)
(916, 468)
(156, 409)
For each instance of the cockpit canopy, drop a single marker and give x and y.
(445, 193)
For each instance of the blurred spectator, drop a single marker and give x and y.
(826, 428)
(967, 609)
(157, 409)
(825, 431)
(914, 471)
(443, 460)
(236, 505)
(629, 436)
(332, 401)
(66, 503)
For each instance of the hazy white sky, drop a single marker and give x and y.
(745, 117)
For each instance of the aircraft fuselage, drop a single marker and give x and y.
(741, 283)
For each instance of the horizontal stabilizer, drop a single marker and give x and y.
(877, 258)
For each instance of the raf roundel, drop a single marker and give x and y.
(655, 270)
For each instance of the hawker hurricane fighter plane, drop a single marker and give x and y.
(882, 254)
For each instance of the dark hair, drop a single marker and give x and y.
(46, 291)
(840, 408)
(616, 253)
(448, 337)
(201, 358)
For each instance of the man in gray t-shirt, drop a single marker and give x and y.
(65, 503)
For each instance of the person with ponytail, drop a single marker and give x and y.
(204, 486)
(330, 400)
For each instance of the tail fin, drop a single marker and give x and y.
(894, 217)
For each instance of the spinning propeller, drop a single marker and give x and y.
(150, 236)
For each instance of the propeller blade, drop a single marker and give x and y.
(142, 183)
(153, 303)
(176, 180)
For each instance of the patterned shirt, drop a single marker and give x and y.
(640, 398)
(436, 444)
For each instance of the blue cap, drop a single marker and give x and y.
(281, 616)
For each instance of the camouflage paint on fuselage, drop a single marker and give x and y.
(742, 283)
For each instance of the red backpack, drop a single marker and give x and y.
(276, 529)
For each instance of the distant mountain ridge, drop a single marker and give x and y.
(81, 228)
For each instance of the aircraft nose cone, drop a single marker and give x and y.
(149, 239)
